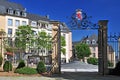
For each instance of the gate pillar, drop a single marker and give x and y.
(102, 47)
(56, 47)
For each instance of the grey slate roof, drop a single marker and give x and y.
(90, 38)
(35, 17)
(5, 4)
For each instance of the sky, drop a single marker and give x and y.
(61, 9)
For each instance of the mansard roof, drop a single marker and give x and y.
(35, 17)
(5, 4)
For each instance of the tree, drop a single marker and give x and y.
(24, 35)
(43, 42)
(63, 44)
(82, 50)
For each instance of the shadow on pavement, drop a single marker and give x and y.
(84, 76)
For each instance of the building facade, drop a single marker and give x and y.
(13, 15)
(92, 42)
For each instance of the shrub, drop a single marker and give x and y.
(21, 64)
(41, 67)
(26, 70)
(7, 66)
(1, 60)
(93, 61)
(110, 64)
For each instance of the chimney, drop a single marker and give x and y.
(47, 16)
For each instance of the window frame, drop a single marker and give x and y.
(10, 32)
(10, 23)
(18, 23)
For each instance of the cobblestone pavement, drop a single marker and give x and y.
(77, 66)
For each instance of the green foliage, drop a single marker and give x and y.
(9, 49)
(21, 64)
(82, 50)
(24, 34)
(93, 61)
(63, 44)
(110, 64)
(7, 66)
(63, 50)
(26, 70)
(1, 60)
(43, 40)
(41, 67)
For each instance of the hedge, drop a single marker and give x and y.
(26, 70)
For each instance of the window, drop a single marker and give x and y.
(10, 11)
(87, 42)
(9, 31)
(24, 23)
(64, 35)
(94, 49)
(94, 55)
(93, 41)
(10, 41)
(43, 26)
(10, 22)
(17, 13)
(17, 23)
(24, 14)
(33, 23)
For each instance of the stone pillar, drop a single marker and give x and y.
(102, 47)
(56, 47)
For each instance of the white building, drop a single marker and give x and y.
(14, 15)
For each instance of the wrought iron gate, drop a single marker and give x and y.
(113, 50)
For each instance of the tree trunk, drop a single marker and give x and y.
(83, 59)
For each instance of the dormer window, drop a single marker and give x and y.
(10, 11)
(87, 42)
(17, 12)
(24, 14)
(93, 41)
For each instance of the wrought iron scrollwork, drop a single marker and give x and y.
(114, 36)
(85, 23)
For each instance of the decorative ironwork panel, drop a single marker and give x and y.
(80, 20)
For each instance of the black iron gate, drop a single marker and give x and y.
(113, 50)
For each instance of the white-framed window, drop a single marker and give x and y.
(10, 22)
(87, 41)
(24, 14)
(10, 11)
(94, 49)
(24, 23)
(17, 23)
(17, 13)
(33, 23)
(9, 31)
(93, 42)
(94, 55)
(64, 35)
